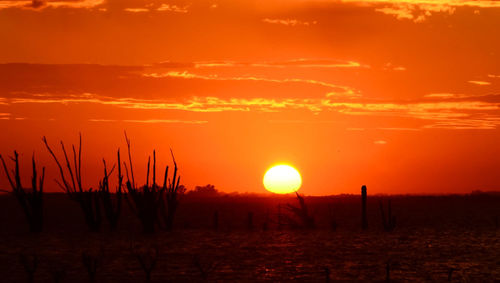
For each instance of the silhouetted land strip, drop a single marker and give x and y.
(436, 238)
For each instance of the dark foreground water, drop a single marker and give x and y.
(193, 255)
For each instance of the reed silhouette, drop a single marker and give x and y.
(147, 260)
(450, 273)
(389, 222)
(327, 274)
(250, 221)
(30, 265)
(112, 209)
(149, 201)
(91, 263)
(215, 222)
(265, 225)
(31, 202)
(332, 219)
(171, 191)
(305, 220)
(88, 199)
(204, 268)
(388, 271)
(57, 272)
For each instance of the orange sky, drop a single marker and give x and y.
(403, 96)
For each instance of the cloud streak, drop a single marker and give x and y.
(336, 90)
(153, 121)
(419, 10)
(479, 82)
(288, 22)
(441, 114)
(75, 4)
(298, 63)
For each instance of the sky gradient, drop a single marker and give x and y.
(403, 96)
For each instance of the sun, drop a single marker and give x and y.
(282, 179)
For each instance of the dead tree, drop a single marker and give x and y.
(71, 183)
(31, 202)
(112, 209)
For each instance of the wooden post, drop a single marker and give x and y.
(216, 220)
(250, 221)
(279, 217)
(364, 220)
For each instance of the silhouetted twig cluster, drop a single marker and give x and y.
(149, 202)
(31, 202)
(71, 183)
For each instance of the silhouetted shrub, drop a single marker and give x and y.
(204, 191)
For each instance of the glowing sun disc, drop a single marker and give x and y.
(282, 179)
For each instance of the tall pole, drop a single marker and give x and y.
(364, 220)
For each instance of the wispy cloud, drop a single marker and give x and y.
(136, 10)
(299, 63)
(391, 67)
(380, 142)
(479, 82)
(419, 10)
(172, 8)
(153, 121)
(399, 129)
(39, 4)
(337, 90)
(289, 22)
(442, 95)
(440, 114)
